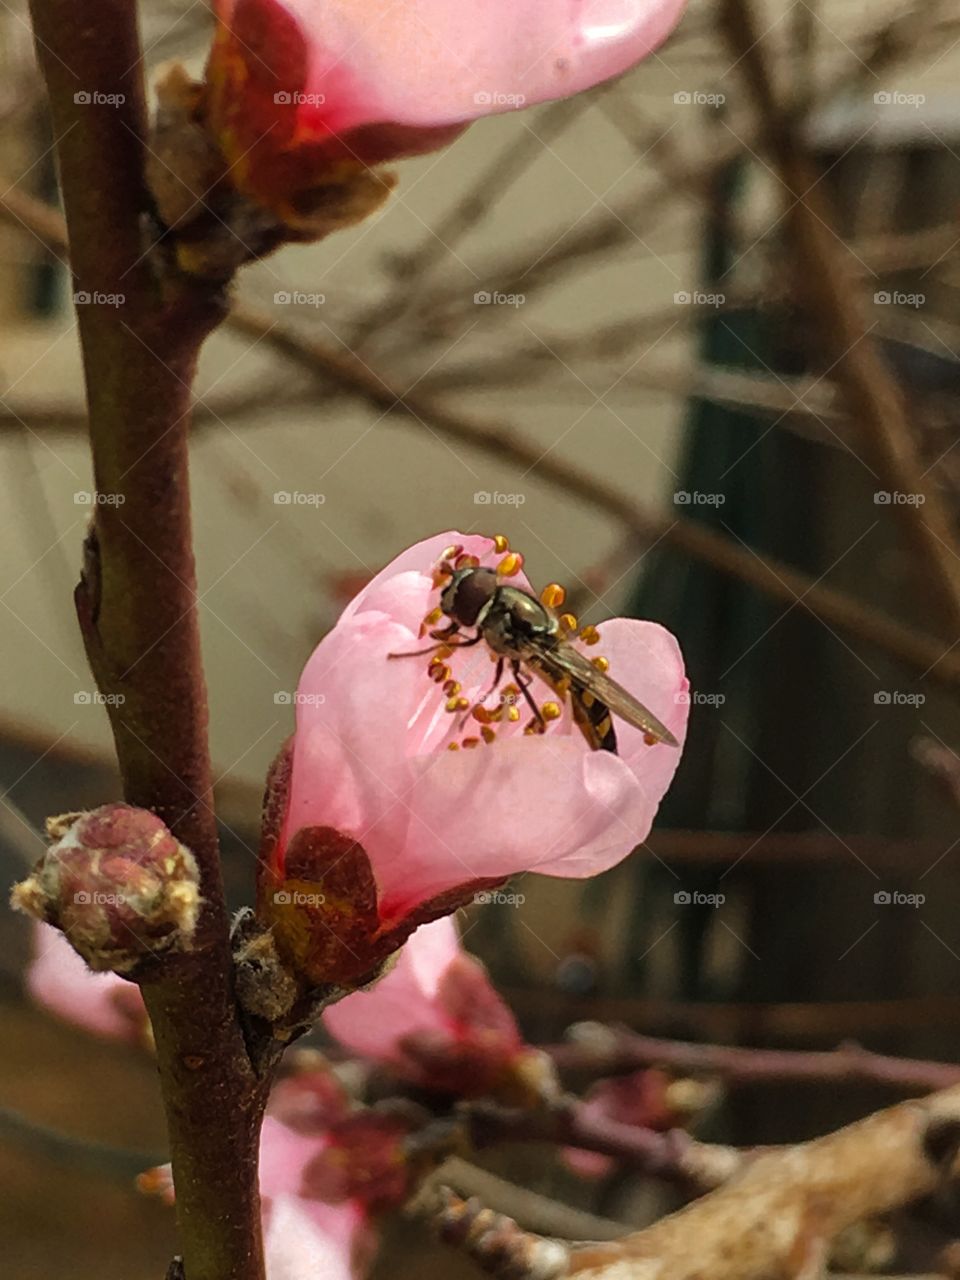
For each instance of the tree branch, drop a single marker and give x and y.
(137, 601)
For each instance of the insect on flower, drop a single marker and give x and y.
(535, 640)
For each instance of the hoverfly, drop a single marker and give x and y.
(521, 631)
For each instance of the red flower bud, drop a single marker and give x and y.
(117, 883)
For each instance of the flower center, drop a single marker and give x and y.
(497, 708)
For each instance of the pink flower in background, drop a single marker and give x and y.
(436, 1020)
(649, 1099)
(101, 1003)
(374, 826)
(296, 84)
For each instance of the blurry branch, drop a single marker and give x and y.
(777, 1217)
(80, 1155)
(411, 269)
(602, 1050)
(71, 419)
(873, 397)
(780, 1215)
(673, 1155)
(531, 1210)
(345, 372)
(917, 25)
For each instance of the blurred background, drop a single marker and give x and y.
(592, 327)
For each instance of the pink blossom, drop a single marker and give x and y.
(102, 1003)
(372, 810)
(294, 84)
(437, 1021)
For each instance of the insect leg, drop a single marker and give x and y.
(524, 687)
(444, 644)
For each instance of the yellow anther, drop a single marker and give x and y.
(438, 673)
(480, 714)
(440, 578)
(601, 664)
(551, 711)
(451, 704)
(433, 617)
(451, 687)
(590, 635)
(451, 552)
(650, 740)
(471, 742)
(463, 704)
(453, 746)
(513, 713)
(488, 734)
(466, 562)
(568, 622)
(553, 595)
(510, 565)
(500, 543)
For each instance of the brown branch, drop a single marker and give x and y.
(137, 602)
(778, 1217)
(829, 290)
(610, 1050)
(674, 1155)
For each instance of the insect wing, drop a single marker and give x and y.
(563, 660)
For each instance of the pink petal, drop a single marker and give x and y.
(305, 1238)
(349, 764)
(372, 1023)
(102, 1003)
(434, 62)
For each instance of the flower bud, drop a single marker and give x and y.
(117, 883)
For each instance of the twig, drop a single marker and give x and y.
(674, 1155)
(782, 1212)
(137, 604)
(531, 1210)
(614, 1049)
(874, 399)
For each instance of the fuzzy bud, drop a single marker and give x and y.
(117, 883)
